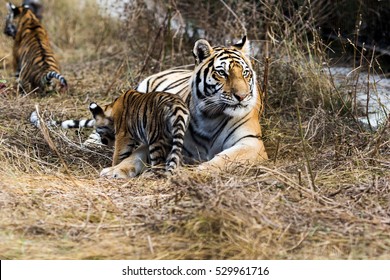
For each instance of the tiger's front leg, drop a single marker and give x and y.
(124, 146)
(248, 150)
(129, 167)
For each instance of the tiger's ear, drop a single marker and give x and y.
(202, 50)
(12, 8)
(35, 6)
(244, 46)
(96, 110)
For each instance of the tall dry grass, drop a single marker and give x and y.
(324, 193)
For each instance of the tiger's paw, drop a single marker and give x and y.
(117, 172)
(210, 167)
(207, 169)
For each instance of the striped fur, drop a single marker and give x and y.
(34, 60)
(224, 101)
(67, 124)
(158, 120)
(94, 138)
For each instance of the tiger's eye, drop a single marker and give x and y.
(221, 73)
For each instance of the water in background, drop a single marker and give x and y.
(376, 87)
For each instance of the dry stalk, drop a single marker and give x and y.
(115, 77)
(152, 47)
(278, 139)
(305, 153)
(265, 85)
(235, 15)
(368, 89)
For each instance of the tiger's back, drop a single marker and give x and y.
(33, 57)
(175, 81)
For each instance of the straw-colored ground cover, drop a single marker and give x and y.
(322, 195)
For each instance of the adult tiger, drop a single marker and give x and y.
(224, 102)
(33, 57)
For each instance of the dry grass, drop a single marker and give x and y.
(54, 205)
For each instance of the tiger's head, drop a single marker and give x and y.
(104, 122)
(13, 17)
(10, 21)
(224, 82)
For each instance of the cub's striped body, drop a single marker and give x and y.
(33, 57)
(157, 119)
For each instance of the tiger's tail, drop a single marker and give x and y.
(180, 121)
(67, 124)
(52, 74)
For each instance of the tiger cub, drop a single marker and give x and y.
(33, 57)
(157, 119)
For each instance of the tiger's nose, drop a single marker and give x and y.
(240, 95)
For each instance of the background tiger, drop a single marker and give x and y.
(156, 119)
(33, 57)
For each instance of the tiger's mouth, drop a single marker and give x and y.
(234, 102)
(238, 106)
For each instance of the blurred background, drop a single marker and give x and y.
(333, 54)
(175, 24)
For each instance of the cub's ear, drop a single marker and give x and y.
(11, 6)
(244, 46)
(202, 50)
(35, 6)
(96, 110)
(12, 9)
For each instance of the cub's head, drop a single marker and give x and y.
(15, 14)
(224, 81)
(105, 117)
(12, 19)
(104, 123)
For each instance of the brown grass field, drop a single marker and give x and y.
(324, 193)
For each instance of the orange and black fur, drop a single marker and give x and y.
(33, 57)
(158, 120)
